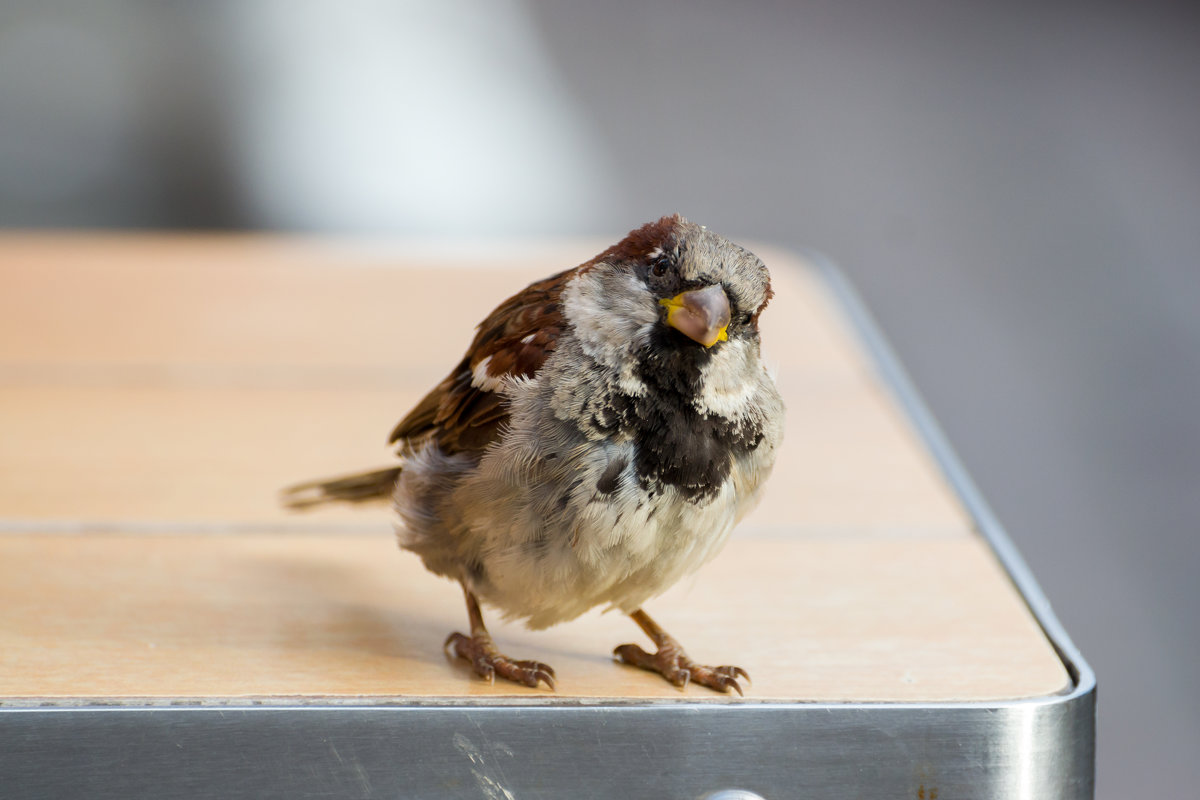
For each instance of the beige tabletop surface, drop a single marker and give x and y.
(156, 392)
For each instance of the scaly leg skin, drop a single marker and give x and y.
(480, 650)
(673, 663)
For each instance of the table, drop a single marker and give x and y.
(171, 631)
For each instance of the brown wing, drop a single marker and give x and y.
(464, 413)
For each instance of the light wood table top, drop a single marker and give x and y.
(157, 391)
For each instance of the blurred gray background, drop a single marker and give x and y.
(1014, 188)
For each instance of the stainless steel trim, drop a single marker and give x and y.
(1030, 748)
(1014, 750)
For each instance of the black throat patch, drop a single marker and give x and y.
(677, 445)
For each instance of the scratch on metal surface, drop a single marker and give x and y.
(360, 771)
(492, 789)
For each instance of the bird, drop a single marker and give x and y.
(604, 432)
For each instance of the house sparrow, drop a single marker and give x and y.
(605, 431)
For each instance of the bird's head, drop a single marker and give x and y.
(673, 285)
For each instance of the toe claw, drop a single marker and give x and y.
(453, 639)
(543, 675)
(537, 666)
(729, 671)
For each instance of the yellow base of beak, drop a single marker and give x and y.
(700, 314)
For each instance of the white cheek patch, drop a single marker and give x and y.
(729, 382)
(610, 312)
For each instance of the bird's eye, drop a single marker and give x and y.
(659, 267)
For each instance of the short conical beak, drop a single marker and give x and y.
(700, 314)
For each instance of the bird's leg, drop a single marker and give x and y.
(480, 650)
(673, 663)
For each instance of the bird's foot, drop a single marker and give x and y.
(489, 662)
(673, 664)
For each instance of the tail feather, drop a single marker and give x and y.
(362, 487)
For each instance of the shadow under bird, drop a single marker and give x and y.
(604, 433)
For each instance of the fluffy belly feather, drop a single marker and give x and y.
(623, 555)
